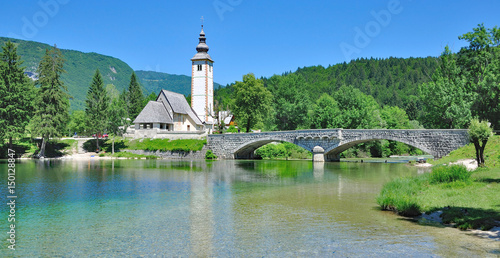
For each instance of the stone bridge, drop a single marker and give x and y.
(327, 144)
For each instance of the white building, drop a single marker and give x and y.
(170, 115)
(202, 82)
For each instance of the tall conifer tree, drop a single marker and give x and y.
(16, 94)
(52, 104)
(96, 106)
(135, 97)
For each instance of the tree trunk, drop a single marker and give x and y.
(113, 145)
(478, 159)
(97, 142)
(41, 154)
(481, 152)
(248, 126)
(10, 142)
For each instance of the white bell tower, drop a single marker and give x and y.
(202, 82)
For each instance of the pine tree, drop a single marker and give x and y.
(96, 106)
(16, 94)
(135, 97)
(52, 104)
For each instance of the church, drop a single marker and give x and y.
(170, 115)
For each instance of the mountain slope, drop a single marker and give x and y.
(156, 81)
(80, 68)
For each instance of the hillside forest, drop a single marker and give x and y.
(394, 93)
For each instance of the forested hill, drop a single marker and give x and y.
(80, 68)
(156, 81)
(391, 81)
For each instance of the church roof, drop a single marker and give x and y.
(179, 105)
(202, 48)
(154, 112)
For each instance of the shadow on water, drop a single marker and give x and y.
(462, 218)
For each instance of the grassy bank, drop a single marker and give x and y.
(27, 147)
(146, 144)
(468, 199)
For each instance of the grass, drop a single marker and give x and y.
(128, 155)
(146, 144)
(167, 145)
(469, 200)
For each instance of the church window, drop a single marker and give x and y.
(199, 67)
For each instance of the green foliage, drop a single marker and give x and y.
(52, 104)
(271, 151)
(232, 129)
(290, 101)
(150, 97)
(252, 102)
(16, 94)
(325, 113)
(480, 66)
(135, 97)
(446, 99)
(210, 155)
(96, 105)
(479, 133)
(78, 123)
(167, 145)
(395, 118)
(449, 174)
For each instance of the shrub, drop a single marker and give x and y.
(448, 174)
(271, 151)
(232, 129)
(210, 155)
(400, 196)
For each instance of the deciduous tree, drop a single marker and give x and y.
(252, 101)
(480, 63)
(479, 133)
(290, 101)
(447, 100)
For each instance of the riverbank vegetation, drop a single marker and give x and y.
(467, 199)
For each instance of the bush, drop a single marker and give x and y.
(400, 196)
(210, 155)
(271, 151)
(232, 129)
(448, 174)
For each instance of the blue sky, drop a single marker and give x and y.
(262, 37)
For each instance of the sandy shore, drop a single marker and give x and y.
(470, 164)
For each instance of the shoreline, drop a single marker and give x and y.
(435, 218)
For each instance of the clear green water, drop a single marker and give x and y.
(221, 208)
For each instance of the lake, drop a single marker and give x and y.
(221, 208)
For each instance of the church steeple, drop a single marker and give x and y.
(202, 48)
(202, 81)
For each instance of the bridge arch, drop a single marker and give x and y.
(247, 150)
(333, 153)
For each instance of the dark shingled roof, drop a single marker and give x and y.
(179, 105)
(154, 112)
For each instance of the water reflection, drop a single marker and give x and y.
(221, 208)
